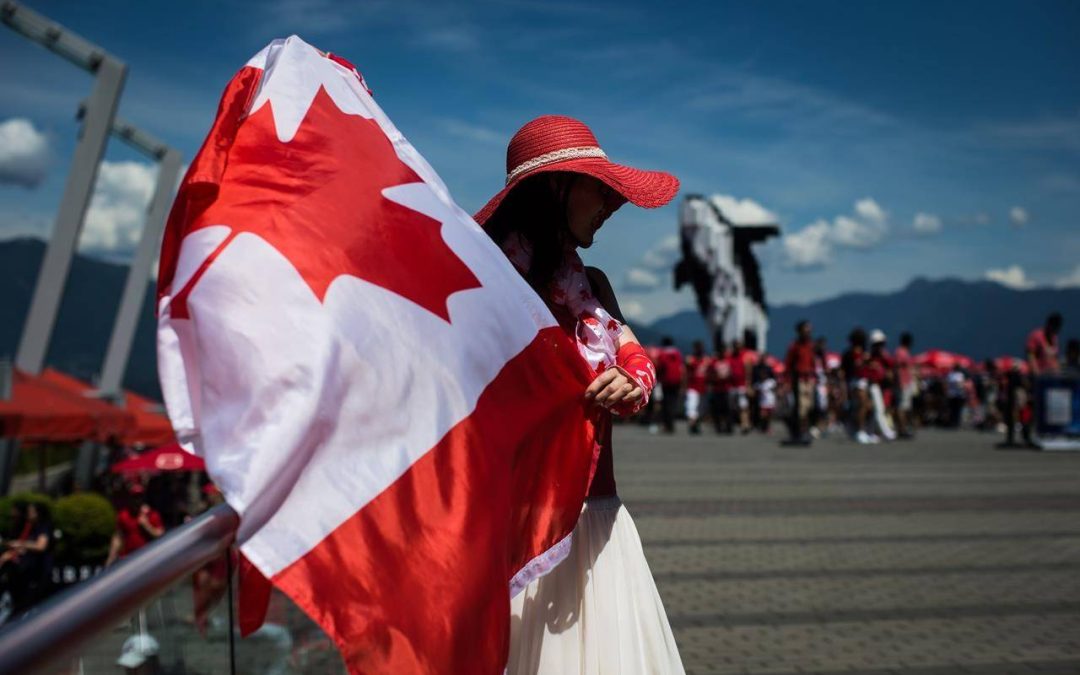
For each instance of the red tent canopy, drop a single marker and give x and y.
(941, 361)
(38, 411)
(832, 360)
(776, 364)
(152, 427)
(170, 457)
(111, 422)
(1006, 363)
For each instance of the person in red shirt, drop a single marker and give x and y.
(719, 383)
(669, 375)
(907, 384)
(802, 375)
(697, 371)
(137, 524)
(750, 358)
(1041, 351)
(739, 401)
(26, 559)
(1041, 346)
(879, 365)
(854, 368)
(880, 373)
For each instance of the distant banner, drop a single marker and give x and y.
(1057, 412)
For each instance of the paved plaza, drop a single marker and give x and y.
(940, 555)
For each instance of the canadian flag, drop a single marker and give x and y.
(395, 414)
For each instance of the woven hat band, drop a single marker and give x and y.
(552, 157)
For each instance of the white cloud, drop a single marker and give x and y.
(1018, 216)
(1070, 280)
(474, 132)
(810, 247)
(856, 233)
(24, 153)
(17, 224)
(743, 211)
(1012, 276)
(117, 211)
(639, 279)
(448, 38)
(632, 309)
(870, 211)
(663, 255)
(926, 223)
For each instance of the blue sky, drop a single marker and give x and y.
(845, 121)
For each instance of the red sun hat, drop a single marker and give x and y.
(559, 143)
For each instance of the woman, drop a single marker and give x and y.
(26, 563)
(598, 611)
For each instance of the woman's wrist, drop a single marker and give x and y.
(632, 361)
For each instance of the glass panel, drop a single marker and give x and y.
(289, 642)
(169, 635)
(186, 631)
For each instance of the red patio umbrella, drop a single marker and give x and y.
(39, 411)
(169, 457)
(1006, 363)
(778, 366)
(152, 426)
(832, 360)
(111, 421)
(941, 361)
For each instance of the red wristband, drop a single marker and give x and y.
(636, 364)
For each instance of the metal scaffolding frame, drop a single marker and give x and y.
(127, 317)
(110, 74)
(98, 117)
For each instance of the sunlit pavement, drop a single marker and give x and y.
(939, 555)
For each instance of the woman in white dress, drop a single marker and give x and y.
(598, 611)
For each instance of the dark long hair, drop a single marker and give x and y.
(537, 208)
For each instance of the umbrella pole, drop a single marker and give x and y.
(43, 456)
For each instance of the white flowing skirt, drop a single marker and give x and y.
(598, 612)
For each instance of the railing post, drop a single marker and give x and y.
(62, 625)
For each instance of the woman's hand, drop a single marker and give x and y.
(612, 387)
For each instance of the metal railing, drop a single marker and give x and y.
(59, 627)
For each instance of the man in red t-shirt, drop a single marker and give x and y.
(737, 364)
(697, 370)
(719, 384)
(137, 525)
(669, 375)
(799, 364)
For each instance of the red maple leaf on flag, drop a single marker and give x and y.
(318, 200)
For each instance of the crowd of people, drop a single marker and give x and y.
(138, 509)
(871, 391)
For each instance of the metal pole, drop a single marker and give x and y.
(100, 111)
(8, 449)
(127, 318)
(230, 589)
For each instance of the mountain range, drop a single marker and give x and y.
(977, 318)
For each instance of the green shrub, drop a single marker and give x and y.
(6, 504)
(86, 522)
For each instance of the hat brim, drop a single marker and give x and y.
(647, 189)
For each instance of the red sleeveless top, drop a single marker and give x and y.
(603, 482)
